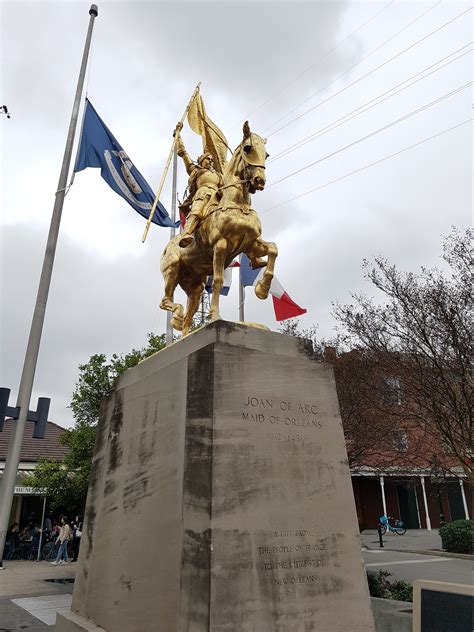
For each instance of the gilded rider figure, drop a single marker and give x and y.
(204, 182)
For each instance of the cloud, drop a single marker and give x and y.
(256, 60)
(97, 304)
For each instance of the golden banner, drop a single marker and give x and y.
(213, 140)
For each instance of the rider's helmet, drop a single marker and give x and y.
(201, 158)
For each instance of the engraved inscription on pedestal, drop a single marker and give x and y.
(281, 487)
(245, 502)
(283, 418)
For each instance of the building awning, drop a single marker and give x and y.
(20, 488)
(402, 472)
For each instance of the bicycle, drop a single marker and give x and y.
(50, 551)
(398, 527)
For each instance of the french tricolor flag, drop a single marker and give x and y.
(227, 280)
(283, 304)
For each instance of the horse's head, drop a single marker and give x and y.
(253, 156)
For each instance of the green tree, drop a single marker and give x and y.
(67, 481)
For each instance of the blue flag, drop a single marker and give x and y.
(99, 148)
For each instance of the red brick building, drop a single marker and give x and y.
(398, 468)
(412, 495)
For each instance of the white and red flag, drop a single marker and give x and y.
(227, 279)
(283, 304)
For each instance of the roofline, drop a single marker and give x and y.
(53, 423)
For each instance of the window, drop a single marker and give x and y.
(447, 446)
(400, 440)
(392, 391)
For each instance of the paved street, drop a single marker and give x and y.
(400, 556)
(410, 566)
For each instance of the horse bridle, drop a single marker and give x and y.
(245, 159)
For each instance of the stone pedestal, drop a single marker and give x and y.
(220, 498)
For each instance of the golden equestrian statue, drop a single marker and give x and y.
(221, 222)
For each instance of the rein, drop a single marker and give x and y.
(234, 184)
(247, 164)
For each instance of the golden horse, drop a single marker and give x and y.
(231, 227)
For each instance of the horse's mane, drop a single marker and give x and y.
(231, 167)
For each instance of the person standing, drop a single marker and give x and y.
(12, 541)
(76, 536)
(48, 525)
(63, 538)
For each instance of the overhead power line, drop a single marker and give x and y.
(374, 102)
(366, 75)
(372, 164)
(381, 129)
(318, 60)
(359, 61)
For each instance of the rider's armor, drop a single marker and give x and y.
(203, 184)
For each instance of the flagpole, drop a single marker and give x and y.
(38, 557)
(241, 296)
(32, 350)
(168, 161)
(169, 315)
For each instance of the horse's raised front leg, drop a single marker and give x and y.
(262, 248)
(194, 296)
(220, 251)
(170, 275)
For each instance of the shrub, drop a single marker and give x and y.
(401, 591)
(380, 586)
(457, 536)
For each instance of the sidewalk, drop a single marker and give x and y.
(27, 600)
(21, 578)
(413, 541)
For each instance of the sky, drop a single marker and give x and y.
(385, 84)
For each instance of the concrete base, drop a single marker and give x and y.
(72, 622)
(391, 615)
(220, 496)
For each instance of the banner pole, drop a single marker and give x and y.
(169, 315)
(168, 161)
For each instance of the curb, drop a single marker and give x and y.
(436, 552)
